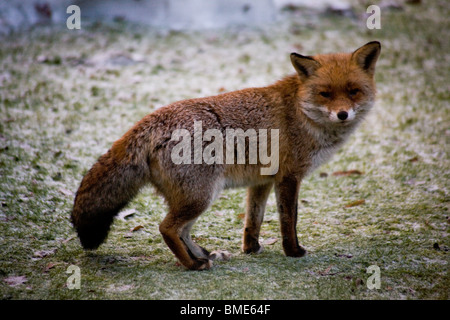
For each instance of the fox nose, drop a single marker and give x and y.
(342, 115)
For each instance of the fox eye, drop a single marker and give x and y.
(353, 92)
(325, 94)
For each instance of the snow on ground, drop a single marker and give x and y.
(65, 96)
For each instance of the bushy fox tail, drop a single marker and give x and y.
(108, 186)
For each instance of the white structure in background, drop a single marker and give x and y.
(183, 14)
(337, 5)
(168, 14)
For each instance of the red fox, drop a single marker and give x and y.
(309, 115)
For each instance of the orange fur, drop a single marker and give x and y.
(314, 111)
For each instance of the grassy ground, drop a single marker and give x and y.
(66, 95)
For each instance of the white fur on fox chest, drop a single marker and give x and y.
(328, 144)
(321, 156)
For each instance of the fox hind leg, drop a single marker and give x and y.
(175, 229)
(192, 247)
(198, 251)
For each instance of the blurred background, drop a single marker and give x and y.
(171, 14)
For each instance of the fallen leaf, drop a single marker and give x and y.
(326, 272)
(125, 214)
(414, 159)
(43, 253)
(241, 216)
(348, 256)
(136, 228)
(355, 203)
(68, 239)
(270, 241)
(130, 234)
(15, 281)
(49, 266)
(347, 173)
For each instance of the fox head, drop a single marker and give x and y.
(338, 88)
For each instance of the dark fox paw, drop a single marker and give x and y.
(255, 249)
(201, 264)
(295, 252)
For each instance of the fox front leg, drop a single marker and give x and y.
(256, 204)
(286, 192)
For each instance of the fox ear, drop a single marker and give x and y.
(305, 66)
(366, 56)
